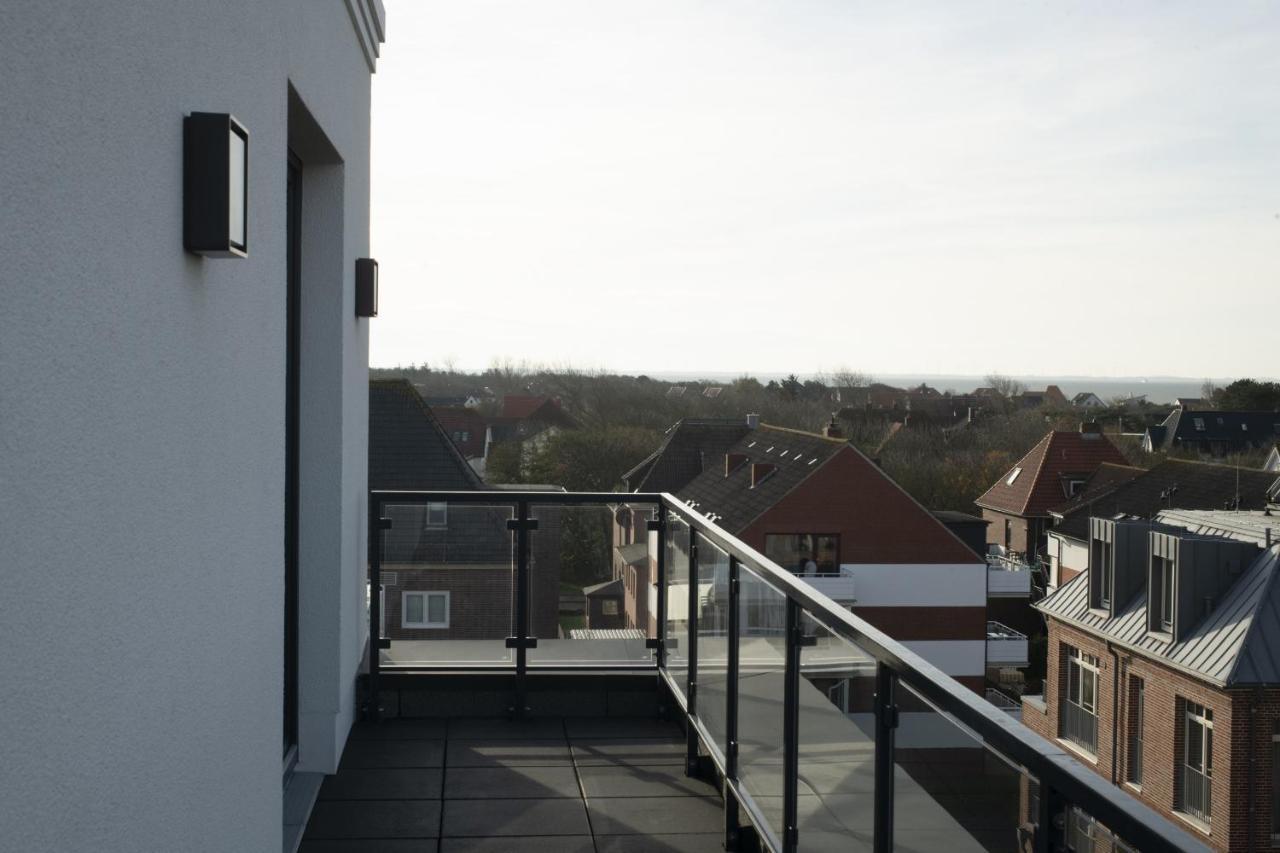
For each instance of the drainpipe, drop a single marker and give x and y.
(1115, 708)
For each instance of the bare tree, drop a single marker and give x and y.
(846, 377)
(1005, 386)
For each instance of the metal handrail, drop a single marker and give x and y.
(1062, 779)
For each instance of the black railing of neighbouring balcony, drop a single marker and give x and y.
(771, 640)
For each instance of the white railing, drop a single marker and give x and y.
(1005, 646)
(836, 585)
(1004, 702)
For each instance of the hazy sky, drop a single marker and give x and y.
(1052, 188)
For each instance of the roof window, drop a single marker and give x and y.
(1013, 475)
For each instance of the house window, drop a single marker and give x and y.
(464, 436)
(1013, 475)
(1199, 424)
(424, 610)
(1137, 725)
(1079, 722)
(1162, 574)
(1197, 761)
(609, 607)
(1103, 558)
(795, 552)
(1074, 487)
(437, 515)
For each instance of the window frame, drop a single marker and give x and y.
(1137, 733)
(440, 507)
(426, 595)
(607, 603)
(812, 551)
(1081, 667)
(1196, 715)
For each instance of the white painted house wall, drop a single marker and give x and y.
(142, 421)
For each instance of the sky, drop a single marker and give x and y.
(1080, 188)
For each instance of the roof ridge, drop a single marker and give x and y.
(805, 433)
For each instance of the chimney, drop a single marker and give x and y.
(760, 472)
(832, 429)
(753, 421)
(1091, 430)
(733, 461)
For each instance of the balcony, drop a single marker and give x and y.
(1005, 646)
(837, 585)
(1005, 703)
(1008, 577)
(757, 715)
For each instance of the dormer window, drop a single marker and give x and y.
(1013, 475)
(1105, 568)
(1074, 487)
(1162, 591)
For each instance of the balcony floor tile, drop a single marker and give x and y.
(489, 818)
(471, 783)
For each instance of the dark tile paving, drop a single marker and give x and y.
(472, 785)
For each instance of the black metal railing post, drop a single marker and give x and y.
(732, 820)
(691, 658)
(886, 719)
(659, 526)
(794, 641)
(521, 641)
(377, 524)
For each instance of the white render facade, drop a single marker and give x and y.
(143, 420)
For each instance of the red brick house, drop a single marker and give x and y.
(1018, 504)
(465, 427)
(1164, 672)
(815, 504)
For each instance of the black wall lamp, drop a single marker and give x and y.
(366, 287)
(215, 186)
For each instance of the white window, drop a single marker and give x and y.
(1199, 424)
(1013, 475)
(437, 515)
(424, 610)
(609, 607)
(1079, 714)
(1197, 762)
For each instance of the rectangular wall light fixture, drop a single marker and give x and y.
(366, 287)
(215, 186)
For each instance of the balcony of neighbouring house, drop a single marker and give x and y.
(1005, 646)
(836, 585)
(750, 713)
(1008, 577)
(1004, 702)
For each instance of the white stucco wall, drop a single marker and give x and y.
(142, 425)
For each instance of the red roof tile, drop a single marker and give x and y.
(1039, 482)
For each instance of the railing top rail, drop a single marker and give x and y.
(1121, 813)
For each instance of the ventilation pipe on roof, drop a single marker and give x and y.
(832, 429)
(753, 421)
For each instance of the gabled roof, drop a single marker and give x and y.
(519, 406)
(1171, 484)
(732, 499)
(688, 443)
(1106, 479)
(1036, 483)
(407, 447)
(608, 588)
(1238, 643)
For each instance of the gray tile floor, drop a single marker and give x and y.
(592, 785)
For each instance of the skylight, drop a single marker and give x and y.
(1013, 475)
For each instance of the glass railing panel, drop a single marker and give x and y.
(448, 577)
(762, 617)
(836, 790)
(951, 790)
(590, 585)
(712, 572)
(677, 571)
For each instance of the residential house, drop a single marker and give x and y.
(817, 506)
(1051, 397)
(1213, 432)
(183, 422)
(1087, 400)
(468, 430)
(1125, 491)
(1163, 676)
(1018, 504)
(531, 420)
(447, 570)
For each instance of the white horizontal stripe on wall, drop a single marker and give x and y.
(919, 584)
(954, 657)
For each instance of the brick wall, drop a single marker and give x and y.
(1236, 758)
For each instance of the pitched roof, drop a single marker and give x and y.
(1215, 427)
(524, 405)
(407, 447)
(732, 499)
(1173, 483)
(1106, 479)
(688, 443)
(1037, 482)
(1237, 643)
